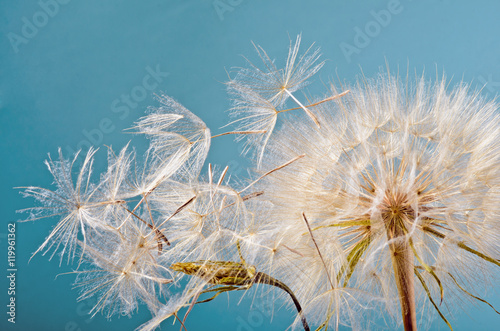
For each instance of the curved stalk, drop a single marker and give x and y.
(233, 276)
(261, 278)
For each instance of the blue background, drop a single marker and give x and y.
(62, 80)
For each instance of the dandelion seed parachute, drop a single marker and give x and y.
(74, 202)
(259, 93)
(178, 138)
(123, 271)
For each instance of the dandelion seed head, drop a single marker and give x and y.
(398, 168)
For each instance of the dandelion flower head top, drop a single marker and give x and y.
(404, 178)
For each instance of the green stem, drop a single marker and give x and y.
(261, 278)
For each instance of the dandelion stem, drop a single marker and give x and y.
(261, 278)
(235, 276)
(403, 264)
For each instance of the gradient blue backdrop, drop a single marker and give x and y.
(61, 84)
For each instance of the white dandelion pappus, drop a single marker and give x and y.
(74, 202)
(405, 174)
